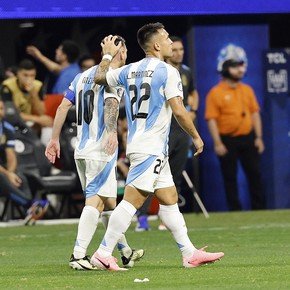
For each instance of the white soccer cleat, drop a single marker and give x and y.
(136, 255)
(81, 264)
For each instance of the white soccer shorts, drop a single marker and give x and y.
(149, 172)
(97, 177)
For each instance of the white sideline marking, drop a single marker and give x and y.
(17, 223)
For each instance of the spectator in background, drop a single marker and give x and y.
(10, 72)
(65, 65)
(14, 184)
(179, 141)
(26, 94)
(86, 62)
(234, 122)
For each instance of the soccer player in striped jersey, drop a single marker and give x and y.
(153, 90)
(96, 168)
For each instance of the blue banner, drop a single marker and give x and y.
(208, 42)
(97, 8)
(277, 122)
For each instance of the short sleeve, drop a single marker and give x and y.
(173, 87)
(116, 77)
(253, 103)
(212, 110)
(114, 92)
(10, 135)
(70, 95)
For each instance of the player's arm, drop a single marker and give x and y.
(183, 117)
(111, 112)
(53, 147)
(49, 64)
(109, 50)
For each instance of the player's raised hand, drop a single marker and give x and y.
(109, 46)
(111, 143)
(52, 150)
(198, 143)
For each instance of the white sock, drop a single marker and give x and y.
(122, 244)
(119, 222)
(174, 221)
(86, 229)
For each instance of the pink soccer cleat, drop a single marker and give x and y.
(108, 263)
(201, 257)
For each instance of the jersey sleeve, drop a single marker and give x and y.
(10, 135)
(70, 93)
(114, 92)
(173, 86)
(212, 110)
(253, 104)
(116, 77)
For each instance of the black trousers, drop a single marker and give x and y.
(242, 148)
(178, 151)
(21, 196)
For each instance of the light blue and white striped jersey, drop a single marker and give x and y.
(148, 85)
(89, 100)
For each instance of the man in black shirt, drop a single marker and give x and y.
(178, 139)
(13, 184)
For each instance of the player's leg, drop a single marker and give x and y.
(119, 222)
(128, 255)
(88, 171)
(135, 194)
(174, 221)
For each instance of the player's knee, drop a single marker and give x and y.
(110, 204)
(167, 196)
(97, 202)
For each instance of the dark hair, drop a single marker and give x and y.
(120, 39)
(227, 64)
(84, 58)
(71, 49)
(175, 38)
(146, 32)
(26, 64)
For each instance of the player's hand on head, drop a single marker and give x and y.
(52, 150)
(110, 144)
(198, 143)
(109, 46)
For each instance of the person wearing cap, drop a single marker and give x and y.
(234, 122)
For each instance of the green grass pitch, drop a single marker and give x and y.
(256, 246)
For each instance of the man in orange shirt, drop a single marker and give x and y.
(234, 122)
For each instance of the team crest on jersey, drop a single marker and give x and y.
(179, 85)
(120, 92)
(184, 80)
